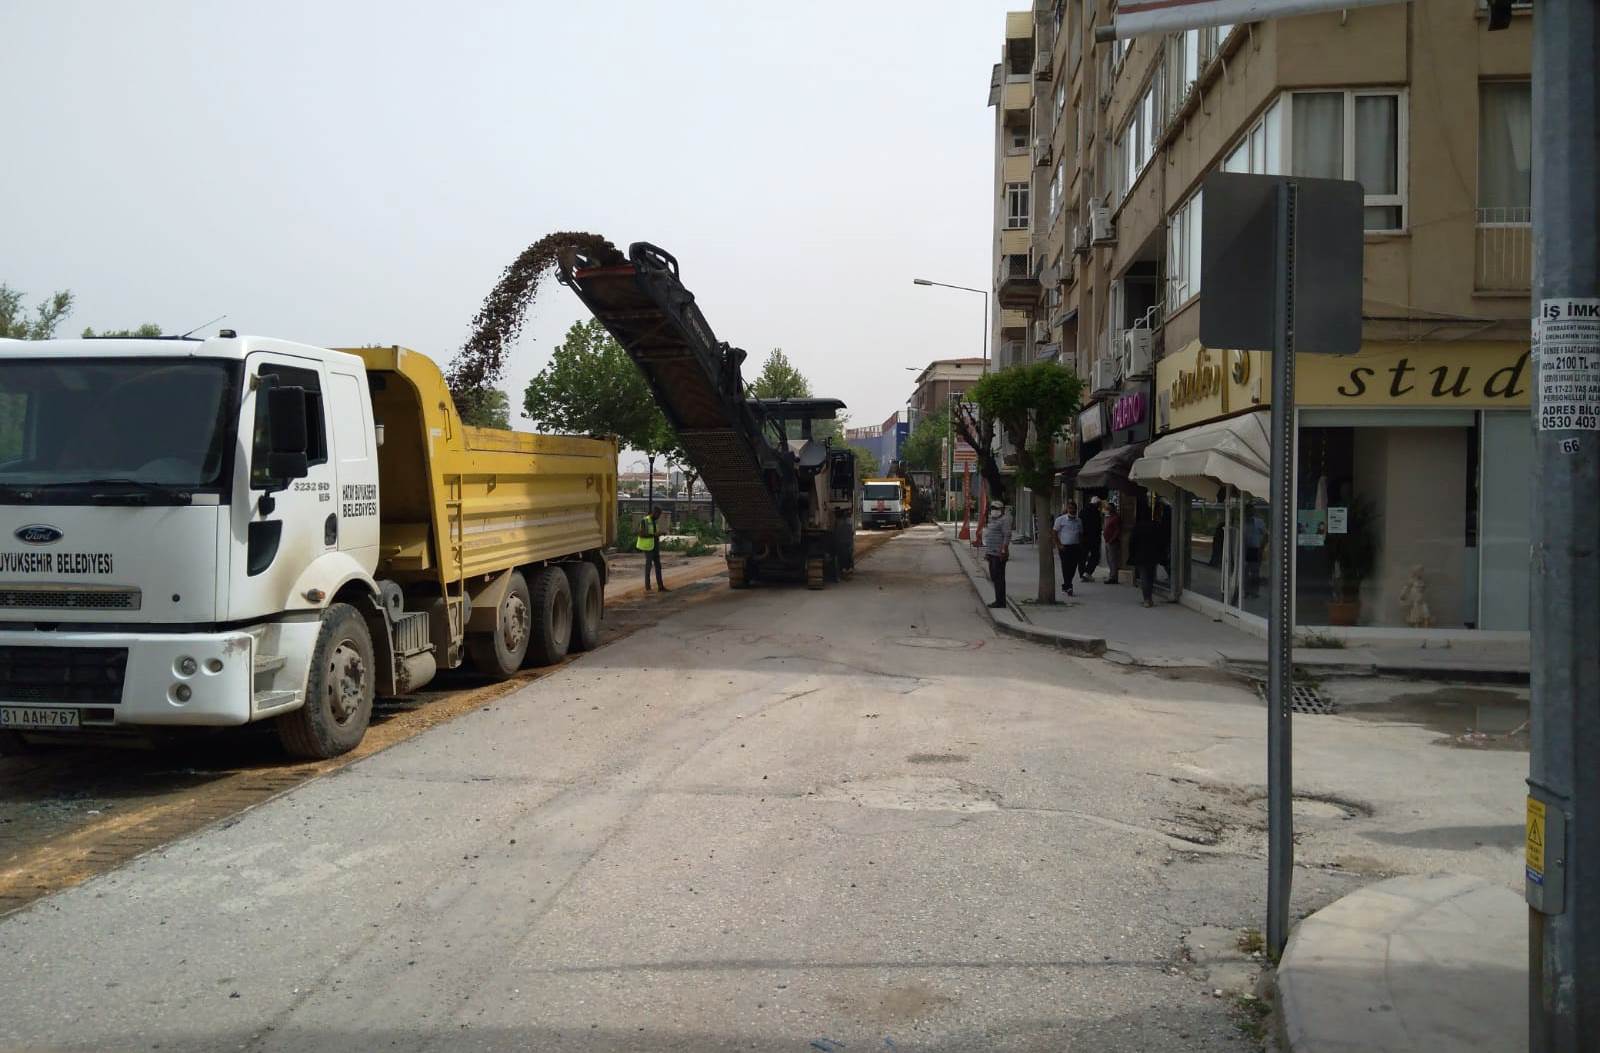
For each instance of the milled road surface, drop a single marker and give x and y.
(847, 820)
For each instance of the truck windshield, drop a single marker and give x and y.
(147, 422)
(882, 491)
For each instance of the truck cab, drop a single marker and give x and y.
(885, 503)
(158, 556)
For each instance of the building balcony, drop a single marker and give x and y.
(1017, 288)
(1503, 257)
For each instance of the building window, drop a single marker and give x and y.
(1357, 135)
(1018, 136)
(1137, 144)
(1504, 250)
(1056, 182)
(1061, 100)
(1183, 253)
(1505, 150)
(1016, 206)
(1259, 150)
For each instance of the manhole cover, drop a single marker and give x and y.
(937, 643)
(1305, 699)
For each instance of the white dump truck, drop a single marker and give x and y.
(238, 529)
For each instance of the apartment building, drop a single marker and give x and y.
(1412, 455)
(940, 379)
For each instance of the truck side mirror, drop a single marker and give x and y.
(287, 433)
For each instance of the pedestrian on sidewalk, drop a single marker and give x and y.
(997, 549)
(646, 542)
(1069, 543)
(1111, 534)
(1147, 545)
(1091, 538)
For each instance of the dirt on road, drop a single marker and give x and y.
(69, 814)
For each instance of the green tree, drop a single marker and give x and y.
(924, 447)
(866, 463)
(147, 331)
(1033, 404)
(485, 408)
(779, 379)
(16, 323)
(591, 387)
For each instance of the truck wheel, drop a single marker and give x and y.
(738, 572)
(499, 653)
(588, 605)
(814, 573)
(552, 617)
(339, 689)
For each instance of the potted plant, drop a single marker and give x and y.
(1355, 556)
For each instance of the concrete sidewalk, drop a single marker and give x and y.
(1110, 620)
(1409, 965)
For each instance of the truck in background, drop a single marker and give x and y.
(239, 529)
(886, 502)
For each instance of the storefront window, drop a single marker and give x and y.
(1206, 547)
(1382, 525)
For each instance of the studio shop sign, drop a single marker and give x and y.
(1128, 411)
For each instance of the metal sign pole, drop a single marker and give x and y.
(1563, 808)
(1280, 617)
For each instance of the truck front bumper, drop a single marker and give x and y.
(131, 678)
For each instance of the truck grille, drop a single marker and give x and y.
(39, 599)
(89, 675)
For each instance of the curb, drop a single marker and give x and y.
(1013, 624)
(1345, 964)
(1257, 670)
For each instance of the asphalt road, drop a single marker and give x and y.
(779, 820)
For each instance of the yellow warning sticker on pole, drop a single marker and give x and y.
(1535, 860)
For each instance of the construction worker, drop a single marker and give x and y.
(649, 532)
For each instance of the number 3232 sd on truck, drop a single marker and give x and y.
(239, 529)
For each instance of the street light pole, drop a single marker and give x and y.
(951, 406)
(967, 288)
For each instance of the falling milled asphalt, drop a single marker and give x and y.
(781, 820)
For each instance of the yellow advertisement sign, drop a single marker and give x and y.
(1453, 375)
(1200, 384)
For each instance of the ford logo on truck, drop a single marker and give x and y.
(38, 534)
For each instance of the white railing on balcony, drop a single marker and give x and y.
(1504, 253)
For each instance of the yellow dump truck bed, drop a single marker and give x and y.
(458, 502)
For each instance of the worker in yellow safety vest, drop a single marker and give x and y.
(649, 531)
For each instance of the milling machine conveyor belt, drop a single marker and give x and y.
(696, 381)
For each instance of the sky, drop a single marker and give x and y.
(345, 173)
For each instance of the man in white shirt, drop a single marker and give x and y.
(1069, 543)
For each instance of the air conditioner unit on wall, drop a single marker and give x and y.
(1104, 375)
(1137, 352)
(1101, 229)
(1080, 240)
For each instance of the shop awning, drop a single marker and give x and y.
(1108, 469)
(1202, 460)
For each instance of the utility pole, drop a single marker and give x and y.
(1563, 828)
(950, 478)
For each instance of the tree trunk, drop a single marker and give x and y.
(981, 439)
(1044, 537)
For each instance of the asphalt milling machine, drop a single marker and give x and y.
(788, 497)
